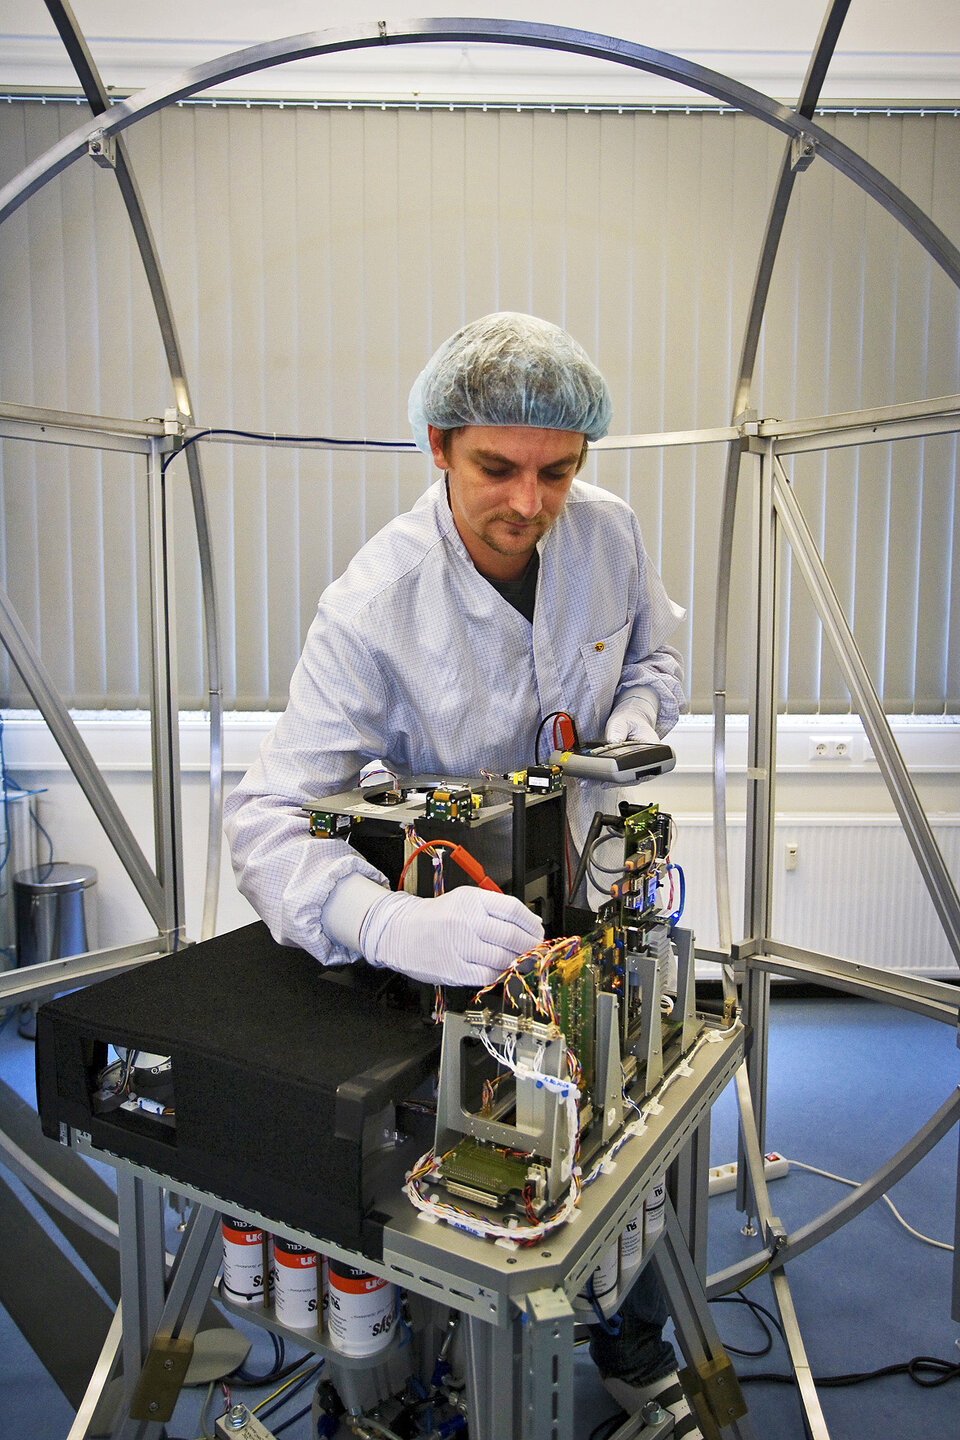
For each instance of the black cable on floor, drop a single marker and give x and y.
(927, 1371)
(278, 1429)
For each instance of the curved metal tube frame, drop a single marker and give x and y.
(99, 103)
(495, 32)
(810, 93)
(796, 124)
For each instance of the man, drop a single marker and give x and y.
(510, 591)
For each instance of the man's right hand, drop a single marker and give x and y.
(466, 937)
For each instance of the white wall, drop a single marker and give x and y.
(886, 51)
(856, 890)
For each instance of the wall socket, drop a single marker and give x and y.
(835, 747)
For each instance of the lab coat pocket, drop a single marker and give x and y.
(602, 661)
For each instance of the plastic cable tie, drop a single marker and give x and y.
(506, 1244)
(427, 1218)
(608, 1165)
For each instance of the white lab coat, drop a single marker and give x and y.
(414, 658)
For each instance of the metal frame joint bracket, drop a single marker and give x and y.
(714, 1394)
(103, 149)
(803, 152)
(161, 1379)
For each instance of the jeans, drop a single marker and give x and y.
(637, 1353)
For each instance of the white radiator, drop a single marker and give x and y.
(856, 891)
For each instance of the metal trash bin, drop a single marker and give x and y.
(56, 918)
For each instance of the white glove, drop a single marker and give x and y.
(466, 937)
(634, 718)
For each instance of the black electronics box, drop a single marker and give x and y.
(282, 1073)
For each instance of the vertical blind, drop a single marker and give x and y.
(315, 257)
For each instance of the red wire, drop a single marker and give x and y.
(426, 845)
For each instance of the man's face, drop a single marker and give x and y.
(507, 485)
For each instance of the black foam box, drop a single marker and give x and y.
(280, 1070)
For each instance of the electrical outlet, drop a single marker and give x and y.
(835, 747)
(724, 1177)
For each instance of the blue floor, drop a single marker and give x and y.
(849, 1083)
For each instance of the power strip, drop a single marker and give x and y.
(724, 1177)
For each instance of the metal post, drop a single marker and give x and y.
(142, 1269)
(164, 708)
(547, 1366)
(492, 1379)
(709, 1369)
(761, 773)
(688, 1184)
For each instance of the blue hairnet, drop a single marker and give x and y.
(510, 369)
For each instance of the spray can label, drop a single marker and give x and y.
(246, 1276)
(654, 1210)
(362, 1310)
(295, 1295)
(631, 1242)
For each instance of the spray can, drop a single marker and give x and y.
(631, 1245)
(246, 1263)
(295, 1284)
(362, 1310)
(654, 1208)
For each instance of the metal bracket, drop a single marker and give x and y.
(803, 152)
(161, 1379)
(715, 1397)
(103, 149)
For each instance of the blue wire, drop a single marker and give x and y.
(286, 440)
(609, 1326)
(277, 1429)
(49, 865)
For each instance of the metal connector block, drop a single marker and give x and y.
(803, 152)
(161, 1379)
(715, 1397)
(239, 1423)
(103, 149)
